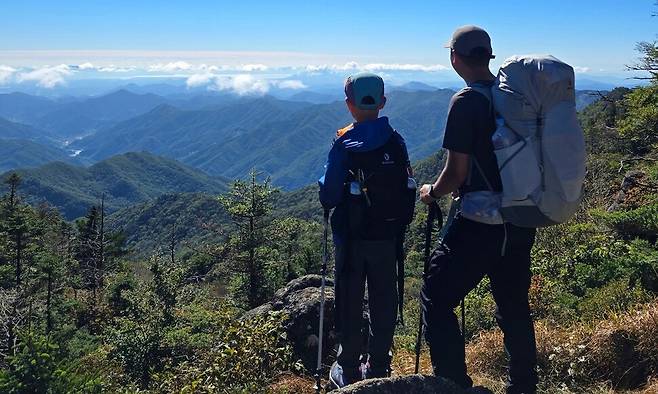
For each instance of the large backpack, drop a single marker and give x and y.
(383, 202)
(539, 145)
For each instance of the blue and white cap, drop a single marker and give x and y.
(365, 90)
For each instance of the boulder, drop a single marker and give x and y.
(300, 301)
(635, 191)
(410, 384)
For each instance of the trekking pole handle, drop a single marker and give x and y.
(433, 213)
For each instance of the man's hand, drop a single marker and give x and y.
(425, 194)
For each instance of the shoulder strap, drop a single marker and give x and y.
(483, 90)
(486, 92)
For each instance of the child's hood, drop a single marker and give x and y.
(365, 136)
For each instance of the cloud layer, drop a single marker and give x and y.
(253, 78)
(46, 77)
(241, 83)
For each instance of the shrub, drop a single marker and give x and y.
(244, 356)
(635, 223)
(38, 367)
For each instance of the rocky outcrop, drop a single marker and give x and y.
(634, 191)
(412, 384)
(300, 301)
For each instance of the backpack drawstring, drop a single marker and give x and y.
(502, 250)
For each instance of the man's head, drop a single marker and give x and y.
(470, 51)
(364, 95)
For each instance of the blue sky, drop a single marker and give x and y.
(597, 37)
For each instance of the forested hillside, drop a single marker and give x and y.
(123, 180)
(286, 140)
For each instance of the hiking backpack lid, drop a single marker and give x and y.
(539, 144)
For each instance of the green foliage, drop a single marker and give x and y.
(249, 204)
(37, 367)
(640, 124)
(635, 223)
(612, 299)
(648, 59)
(196, 218)
(242, 356)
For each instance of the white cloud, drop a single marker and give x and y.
(254, 67)
(291, 84)
(86, 66)
(377, 67)
(581, 70)
(6, 73)
(241, 84)
(114, 69)
(170, 67)
(404, 67)
(196, 80)
(47, 77)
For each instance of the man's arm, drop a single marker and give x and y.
(451, 178)
(458, 141)
(332, 182)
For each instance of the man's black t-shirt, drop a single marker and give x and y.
(469, 128)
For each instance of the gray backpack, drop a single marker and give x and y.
(539, 145)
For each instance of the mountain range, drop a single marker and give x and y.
(123, 180)
(288, 140)
(220, 133)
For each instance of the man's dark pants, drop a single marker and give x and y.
(470, 251)
(374, 261)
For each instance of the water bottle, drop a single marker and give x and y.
(407, 212)
(503, 136)
(411, 183)
(355, 189)
(356, 209)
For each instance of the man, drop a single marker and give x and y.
(366, 182)
(477, 243)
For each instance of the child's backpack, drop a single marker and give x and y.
(539, 145)
(380, 197)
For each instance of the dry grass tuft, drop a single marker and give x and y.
(289, 383)
(621, 352)
(625, 349)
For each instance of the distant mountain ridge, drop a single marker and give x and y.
(124, 180)
(285, 139)
(22, 153)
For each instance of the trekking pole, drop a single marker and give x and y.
(323, 272)
(463, 308)
(433, 211)
(400, 257)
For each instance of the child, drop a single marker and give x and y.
(366, 181)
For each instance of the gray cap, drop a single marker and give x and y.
(365, 90)
(467, 38)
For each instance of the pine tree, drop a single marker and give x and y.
(249, 204)
(96, 251)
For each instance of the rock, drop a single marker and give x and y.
(403, 384)
(633, 191)
(300, 301)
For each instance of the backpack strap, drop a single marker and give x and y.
(486, 92)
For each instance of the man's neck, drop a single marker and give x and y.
(484, 75)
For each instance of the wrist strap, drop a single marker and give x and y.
(431, 193)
